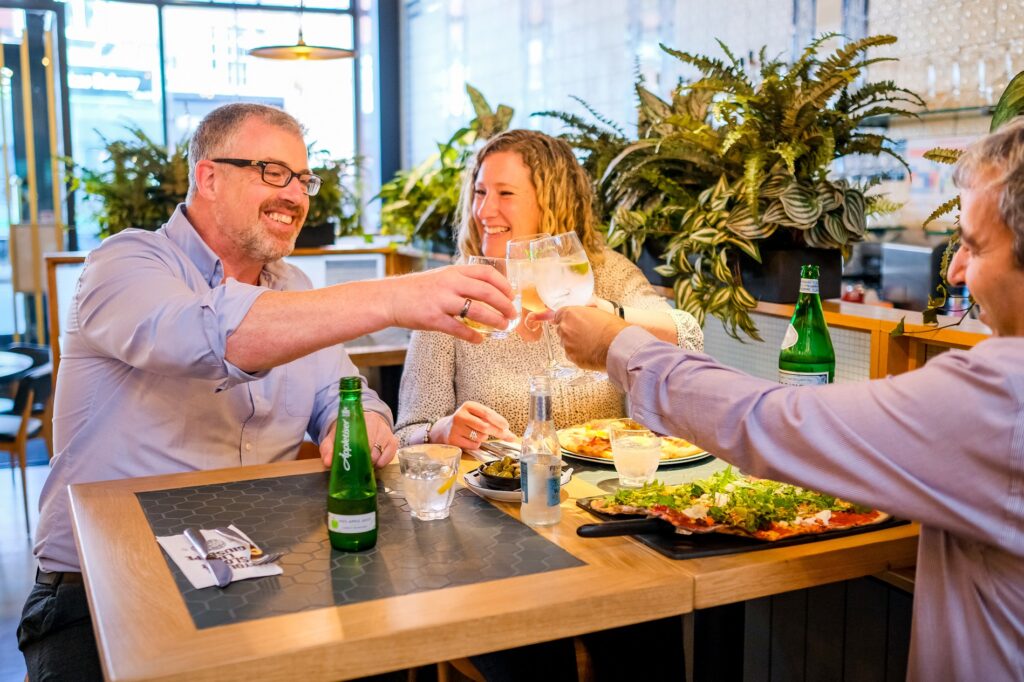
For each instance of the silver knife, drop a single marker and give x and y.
(218, 567)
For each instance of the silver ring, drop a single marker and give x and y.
(378, 447)
(465, 307)
(473, 435)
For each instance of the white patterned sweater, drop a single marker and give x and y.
(441, 372)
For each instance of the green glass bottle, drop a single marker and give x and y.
(352, 493)
(807, 356)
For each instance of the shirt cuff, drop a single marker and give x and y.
(623, 347)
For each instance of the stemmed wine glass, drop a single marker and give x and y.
(510, 272)
(519, 257)
(563, 277)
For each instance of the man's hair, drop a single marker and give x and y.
(562, 186)
(218, 128)
(1000, 155)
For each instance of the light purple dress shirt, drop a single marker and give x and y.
(144, 387)
(943, 445)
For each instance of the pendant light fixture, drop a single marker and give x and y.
(300, 50)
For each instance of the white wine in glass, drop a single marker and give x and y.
(512, 275)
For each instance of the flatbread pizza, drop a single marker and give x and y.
(731, 503)
(592, 439)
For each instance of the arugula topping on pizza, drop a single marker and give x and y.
(729, 502)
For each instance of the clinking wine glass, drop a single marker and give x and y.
(512, 274)
(563, 277)
(519, 256)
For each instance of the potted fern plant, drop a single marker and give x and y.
(734, 169)
(141, 187)
(334, 211)
(420, 203)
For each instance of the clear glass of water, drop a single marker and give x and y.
(428, 477)
(512, 275)
(636, 453)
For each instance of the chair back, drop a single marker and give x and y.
(23, 396)
(41, 378)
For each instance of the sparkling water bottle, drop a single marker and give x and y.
(541, 460)
(352, 492)
(807, 356)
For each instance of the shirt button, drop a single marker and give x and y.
(248, 447)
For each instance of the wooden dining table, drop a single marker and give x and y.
(145, 630)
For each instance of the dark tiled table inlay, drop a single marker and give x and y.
(476, 543)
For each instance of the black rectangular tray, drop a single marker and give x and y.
(679, 546)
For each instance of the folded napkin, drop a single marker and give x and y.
(233, 551)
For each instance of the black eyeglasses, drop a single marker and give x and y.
(277, 174)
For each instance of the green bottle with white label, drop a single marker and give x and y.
(352, 492)
(807, 356)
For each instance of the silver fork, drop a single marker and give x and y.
(268, 558)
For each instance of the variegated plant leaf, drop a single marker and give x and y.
(801, 204)
(854, 220)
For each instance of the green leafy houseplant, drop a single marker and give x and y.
(337, 202)
(141, 187)
(738, 157)
(145, 182)
(421, 202)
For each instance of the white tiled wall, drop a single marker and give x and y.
(853, 349)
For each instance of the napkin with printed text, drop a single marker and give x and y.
(236, 553)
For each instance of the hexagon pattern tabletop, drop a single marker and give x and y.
(477, 543)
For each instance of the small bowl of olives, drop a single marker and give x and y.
(501, 474)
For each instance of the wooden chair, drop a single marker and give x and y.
(16, 429)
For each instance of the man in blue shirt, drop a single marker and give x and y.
(197, 347)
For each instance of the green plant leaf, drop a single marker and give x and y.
(801, 204)
(946, 207)
(944, 155)
(1010, 104)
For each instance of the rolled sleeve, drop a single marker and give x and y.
(224, 308)
(143, 304)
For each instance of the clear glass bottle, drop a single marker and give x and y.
(807, 356)
(541, 460)
(352, 492)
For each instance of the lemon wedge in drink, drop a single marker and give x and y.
(580, 268)
(446, 485)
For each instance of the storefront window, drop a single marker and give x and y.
(208, 65)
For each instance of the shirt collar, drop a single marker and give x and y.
(180, 231)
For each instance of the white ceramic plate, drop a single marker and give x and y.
(473, 482)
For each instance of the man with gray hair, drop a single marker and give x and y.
(197, 347)
(888, 443)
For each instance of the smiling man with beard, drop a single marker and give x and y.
(196, 347)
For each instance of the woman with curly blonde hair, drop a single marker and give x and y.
(522, 183)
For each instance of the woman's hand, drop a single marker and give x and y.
(470, 425)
